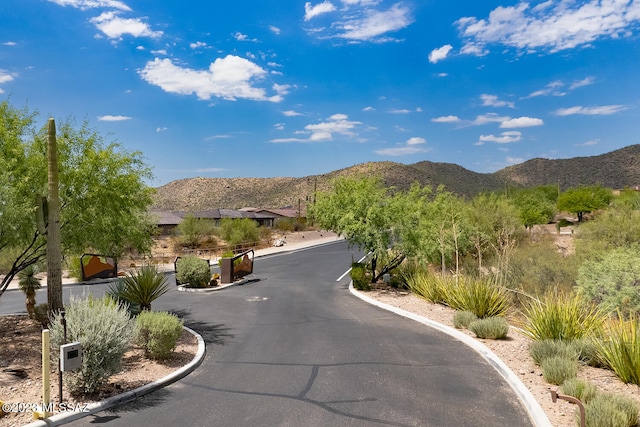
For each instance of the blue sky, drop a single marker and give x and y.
(255, 88)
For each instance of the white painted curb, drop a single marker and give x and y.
(534, 410)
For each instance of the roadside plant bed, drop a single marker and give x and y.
(21, 348)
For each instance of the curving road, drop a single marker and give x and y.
(297, 349)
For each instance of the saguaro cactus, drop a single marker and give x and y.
(54, 248)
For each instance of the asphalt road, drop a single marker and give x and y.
(297, 349)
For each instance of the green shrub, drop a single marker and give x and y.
(462, 319)
(141, 287)
(359, 276)
(239, 232)
(104, 329)
(157, 333)
(541, 350)
(492, 328)
(561, 317)
(428, 286)
(610, 410)
(557, 369)
(619, 349)
(193, 270)
(588, 351)
(580, 389)
(612, 282)
(479, 296)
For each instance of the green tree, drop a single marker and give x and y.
(450, 227)
(193, 230)
(584, 199)
(103, 196)
(238, 232)
(359, 210)
(535, 205)
(616, 227)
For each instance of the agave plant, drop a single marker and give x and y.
(141, 287)
(29, 284)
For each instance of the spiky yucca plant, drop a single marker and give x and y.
(142, 286)
(29, 284)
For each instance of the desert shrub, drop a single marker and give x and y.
(428, 286)
(462, 319)
(561, 317)
(588, 351)
(610, 410)
(104, 329)
(619, 349)
(492, 328)
(612, 282)
(558, 369)
(141, 287)
(157, 333)
(407, 270)
(193, 270)
(537, 267)
(479, 296)
(41, 314)
(239, 231)
(193, 231)
(541, 350)
(580, 389)
(290, 224)
(359, 276)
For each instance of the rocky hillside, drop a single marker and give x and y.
(618, 169)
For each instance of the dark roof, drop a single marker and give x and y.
(166, 218)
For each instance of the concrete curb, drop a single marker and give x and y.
(182, 288)
(131, 395)
(533, 408)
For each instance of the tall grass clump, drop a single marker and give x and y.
(491, 328)
(561, 317)
(462, 319)
(157, 333)
(479, 296)
(610, 410)
(142, 287)
(428, 286)
(104, 329)
(619, 349)
(541, 350)
(580, 389)
(557, 369)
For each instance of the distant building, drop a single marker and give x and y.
(168, 221)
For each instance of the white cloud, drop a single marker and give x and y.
(440, 53)
(514, 160)
(162, 129)
(551, 26)
(443, 75)
(400, 111)
(5, 76)
(229, 78)
(324, 131)
(504, 138)
(489, 118)
(115, 27)
(197, 45)
(92, 4)
(446, 119)
(275, 30)
(359, 21)
(9, 44)
(214, 137)
(603, 110)
(311, 11)
(584, 82)
(401, 151)
(109, 118)
(493, 101)
(521, 122)
(589, 143)
(291, 113)
(209, 170)
(368, 109)
(416, 140)
(550, 89)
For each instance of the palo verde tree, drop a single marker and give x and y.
(584, 199)
(103, 196)
(359, 210)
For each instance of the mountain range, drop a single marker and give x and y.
(616, 169)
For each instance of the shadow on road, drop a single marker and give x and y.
(211, 333)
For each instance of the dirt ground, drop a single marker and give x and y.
(21, 369)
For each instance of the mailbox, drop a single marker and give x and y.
(70, 356)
